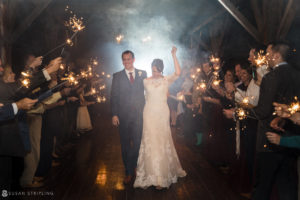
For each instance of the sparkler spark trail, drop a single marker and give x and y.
(216, 82)
(26, 83)
(241, 113)
(261, 58)
(214, 59)
(294, 107)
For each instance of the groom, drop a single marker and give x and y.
(127, 104)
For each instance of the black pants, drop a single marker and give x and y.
(5, 173)
(130, 138)
(275, 168)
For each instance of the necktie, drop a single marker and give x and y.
(131, 77)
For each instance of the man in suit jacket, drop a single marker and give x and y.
(274, 164)
(127, 104)
(9, 111)
(14, 138)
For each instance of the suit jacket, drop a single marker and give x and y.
(14, 134)
(276, 86)
(127, 99)
(6, 112)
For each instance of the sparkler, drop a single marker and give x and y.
(294, 107)
(71, 78)
(214, 59)
(25, 74)
(202, 86)
(241, 113)
(119, 38)
(216, 73)
(216, 68)
(102, 87)
(69, 42)
(216, 82)
(26, 82)
(198, 70)
(93, 91)
(180, 97)
(245, 100)
(108, 76)
(146, 39)
(261, 58)
(75, 24)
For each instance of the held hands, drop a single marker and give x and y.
(26, 103)
(54, 65)
(115, 121)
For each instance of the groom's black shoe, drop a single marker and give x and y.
(127, 180)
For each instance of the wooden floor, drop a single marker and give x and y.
(94, 170)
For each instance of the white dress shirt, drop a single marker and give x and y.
(128, 75)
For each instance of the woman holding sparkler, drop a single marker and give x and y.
(158, 164)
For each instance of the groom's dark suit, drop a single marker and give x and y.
(127, 102)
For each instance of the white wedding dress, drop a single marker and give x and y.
(158, 163)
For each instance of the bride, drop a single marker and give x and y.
(158, 164)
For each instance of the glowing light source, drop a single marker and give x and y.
(119, 38)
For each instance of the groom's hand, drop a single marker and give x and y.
(115, 121)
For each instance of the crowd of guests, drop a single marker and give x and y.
(240, 117)
(39, 120)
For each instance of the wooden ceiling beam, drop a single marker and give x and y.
(236, 14)
(207, 21)
(40, 6)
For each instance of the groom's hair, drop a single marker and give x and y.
(128, 52)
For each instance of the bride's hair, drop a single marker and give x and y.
(159, 64)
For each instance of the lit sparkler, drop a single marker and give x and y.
(25, 74)
(119, 38)
(102, 87)
(146, 39)
(202, 85)
(294, 107)
(93, 91)
(69, 42)
(216, 73)
(216, 82)
(76, 24)
(214, 59)
(25, 82)
(71, 78)
(261, 58)
(108, 76)
(241, 113)
(245, 100)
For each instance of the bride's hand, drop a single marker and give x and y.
(174, 50)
